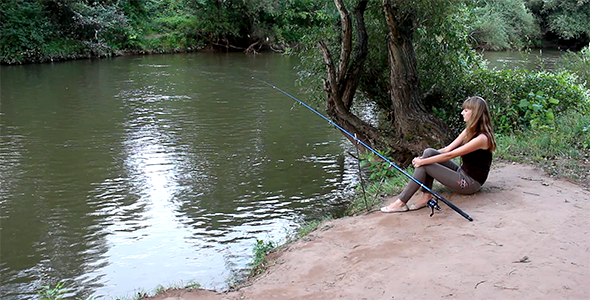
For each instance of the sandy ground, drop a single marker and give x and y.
(530, 239)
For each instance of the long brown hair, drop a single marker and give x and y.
(480, 121)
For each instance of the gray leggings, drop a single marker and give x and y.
(447, 172)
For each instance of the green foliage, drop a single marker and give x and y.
(578, 63)
(376, 167)
(103, 26)
(563, 152)
(24, 30)
(445, 56)
(261, 250)
(568, 19)
(238, 23)
(538, 111)
(504, 90)
(40, 30)
(294, 19)
(55, 293)
(504, 24)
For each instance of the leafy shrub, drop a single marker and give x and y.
(56, 293)
(578, 63)
(564, 152)
(103, 28)
(376, 167)
(509, 94)
(568, 19)
(24, 30)
(538, 111)
(261, 249)
(504, 24)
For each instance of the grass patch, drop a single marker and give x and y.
(162, 289)
(563, 152)
(375, 190)
(307, 228)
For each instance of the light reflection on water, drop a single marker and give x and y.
(125, 174)
(543, 59)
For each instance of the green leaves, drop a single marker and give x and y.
(579, 64)
(504, 24)
(56, 293)
(538, 111)
(568, 19)
(521, 99)
(375, 166)
(24, 30)
(261, 249)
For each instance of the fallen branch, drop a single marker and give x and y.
(250, 48)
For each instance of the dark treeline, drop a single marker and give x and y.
(50, 30)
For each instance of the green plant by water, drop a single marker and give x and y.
(57, 292)
(261, 250)
(375, 166)
(538, 110)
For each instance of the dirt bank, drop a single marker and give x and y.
(530, 239)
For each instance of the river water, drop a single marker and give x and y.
(535, 59)
(119, 175)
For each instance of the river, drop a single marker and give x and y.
(119, 175)
(535, 59)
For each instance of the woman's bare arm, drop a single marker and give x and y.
(479, 142)
(456, 143)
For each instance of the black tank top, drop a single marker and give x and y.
(477, 164)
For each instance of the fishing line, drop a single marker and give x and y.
(432, 203)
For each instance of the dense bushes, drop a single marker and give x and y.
(25, 31)
(38, 31)
(47, 30)
(518, 99)
(578, 63)
(504, 24)
(564, 19)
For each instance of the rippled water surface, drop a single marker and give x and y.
(123, 174)
(540, 59)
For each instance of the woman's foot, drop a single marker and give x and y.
(397, 206)
(421, 203)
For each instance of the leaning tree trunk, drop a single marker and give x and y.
(415, 128)
(411, 120)
(342, 80)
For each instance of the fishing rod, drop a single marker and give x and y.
(432, 203)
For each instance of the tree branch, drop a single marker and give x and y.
(346, 45)
(331, 80)
(361, 51)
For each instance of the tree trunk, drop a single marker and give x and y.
(342, 80)
(414, 128)
(411, 120)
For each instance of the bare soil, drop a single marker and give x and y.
(530, 239)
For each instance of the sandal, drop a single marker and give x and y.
(385, 209)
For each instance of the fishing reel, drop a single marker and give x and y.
(433, 204)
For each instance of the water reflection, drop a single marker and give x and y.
(541, 59)
(129, 173)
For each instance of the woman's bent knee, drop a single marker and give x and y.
(430, 152)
